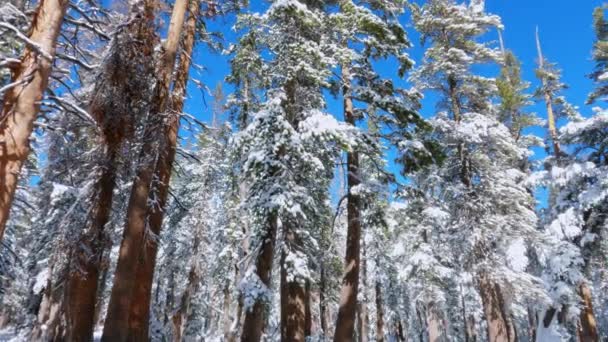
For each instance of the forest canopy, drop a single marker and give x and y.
(370, 170)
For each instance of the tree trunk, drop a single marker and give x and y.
(434, 324)
(182, 313)
(140, 304)
(307, 311)
(293, 295)
(500, 325)
(81, 289)
(548, 102)
(255, 316)
(587, 329)
(323, 312)
(379, 313)
(345, 323)
(21, 104)
(362, 309)
(127, 289)
(226, 322)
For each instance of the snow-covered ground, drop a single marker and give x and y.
(10, 334)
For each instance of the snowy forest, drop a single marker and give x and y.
(337, 188)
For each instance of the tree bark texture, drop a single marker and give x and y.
(22, 103)
(500, 326)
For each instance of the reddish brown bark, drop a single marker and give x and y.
(126, 288)
(81, 290)
(255, 317)
(345, 323)
(22, 102)
(587, 328)
(500, 326)
(140, 304)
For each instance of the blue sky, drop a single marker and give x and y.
(565, 29)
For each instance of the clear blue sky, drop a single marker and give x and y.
(565, 29)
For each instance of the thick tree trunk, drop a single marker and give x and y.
(255, 317)
(81, 290)
(48, 327)
(500, 325)
(22, 103)
(587, 329)
(379, 313)
(140, 304)
(345, 323)
(293, 296)
(434, 324)
(127, 290)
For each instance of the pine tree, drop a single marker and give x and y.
(482, 159)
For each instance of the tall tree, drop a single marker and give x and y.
(132, 251)
(482, 159)
(22, 102)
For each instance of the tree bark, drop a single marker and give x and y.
(182, 313)
(307, 311)
(293, 295)
(362, 305)
(587, 328)
(500, 325)
(21, 104)
(434, 324)
(140, 305)
(323, 312)
(345, 323)
(127, 291)
(81, 289)
(379, 313)
(255, 317)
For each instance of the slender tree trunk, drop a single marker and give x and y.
(400, 333)
(255, 316)
(587, 329)
(362, 305)
(81, 290)
(548, 102)
(182, 313)
(293, 295)
(226, 321)
(500, 325)
(345, 323)
(323, 312)
(379, 313)
(127, 290)
(532, 323)
(21, 104)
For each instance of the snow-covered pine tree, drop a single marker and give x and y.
(600, 56)
(289, 148)
(366, 32)
(482, 160)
